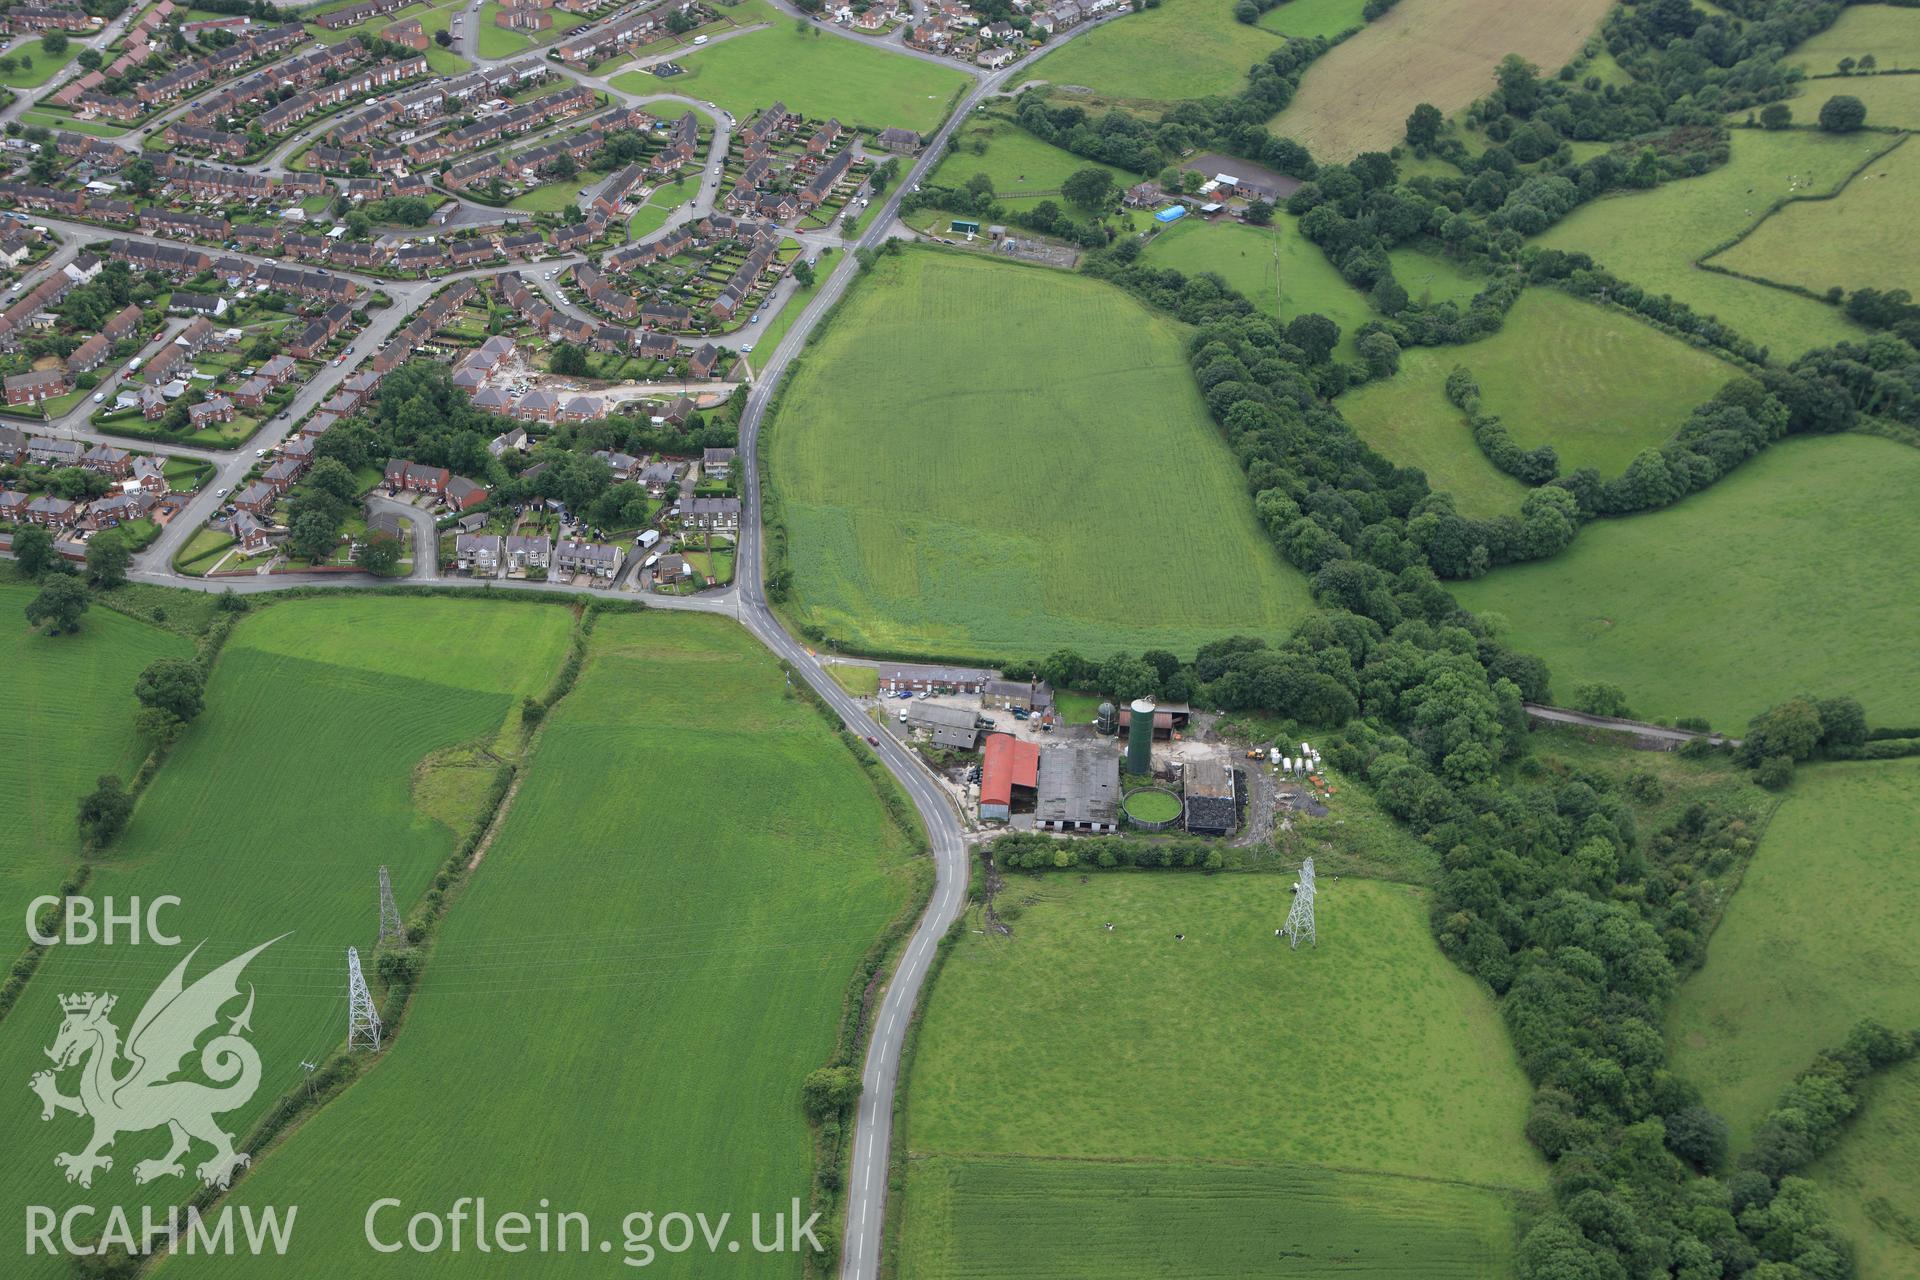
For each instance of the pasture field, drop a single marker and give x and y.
(952, 496)
(1869, 1178)
(1597, 385)
(1862, 238)
(646, 979)
(815, 74)
(1433, 278)
(1789, 971)
(1023, 168)
(1278, 269)
(1890, 33)
(272, 816)
(1890, 100)
(1183, 49)
(1308, 18)
(1382, 1062)
(1653, 238)
(1788, 575)
(70, 709)
(1357, 98)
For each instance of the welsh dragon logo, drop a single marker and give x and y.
(144, 1095)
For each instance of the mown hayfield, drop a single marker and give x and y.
(816, 74)
(649, 960)
(1794, 573)
(1002, 1216)
(1305, 19)
(1889, 33)
(1819, 936)
(1358, 97)
(70, 709)
(981, 458)
(1277, 268)
(1653, 238)
(1869, 1178)
(1860, 239)
(273, 814)
(1220, 1075)
(1183, 49)
(1597, 385)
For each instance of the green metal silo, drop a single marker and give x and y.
(1140, 737)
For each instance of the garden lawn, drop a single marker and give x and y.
(1024, 170)
(1862, 238)
(1278, 269)
(654, 1015)
(1794, 573)
(70, 709)
(1891, 34)
(1355, 1108)
(1305, 19)
(1652, 238)
(272, 816)
(1790, 971)
(1182, 49)
(980, 459)
(817, 75)
(1869, 1178)
(1358, 97)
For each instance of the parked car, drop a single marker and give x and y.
(99, 397)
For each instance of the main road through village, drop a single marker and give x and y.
(746, 601)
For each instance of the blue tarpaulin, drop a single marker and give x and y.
(1173, 213)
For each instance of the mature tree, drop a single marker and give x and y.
(1600, 699)
(829, 1091)
(313, 536)
(803, 272)
(1314, 334)
(108, 556)
(54, 43)
(104, 812)
(1381, 353)
(1842, 113)
(1259, 214)
(33, 549)
(1089, 189)
(60, 603)
(568, 360)
(1776, 115)
(380, 555)
(1791, 729)
(173, 685)
(1124, 677)
(1424, 125)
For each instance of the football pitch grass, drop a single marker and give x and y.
(272, 817)
(651, 956)
(1086, 1101)
(1058, 484)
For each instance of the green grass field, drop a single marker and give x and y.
(1652, 238)
(45, 65)
(816, 75)
(1859, 239)
(1277, 268)
(1597, 385)
(1024, 169)
(70, 710)
(1433, 279)
(1354, 1108)
(1183, 49)
(1889, 33)
(273, 814)
(1870, 1177)
(1308, 18)
(709, 865)
(1892, 100)
(551, 197)
(1818, 937)
(956, 480)
(1791, 574)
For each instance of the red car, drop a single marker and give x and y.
(872, 741)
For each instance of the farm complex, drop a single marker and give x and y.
(937, 639)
